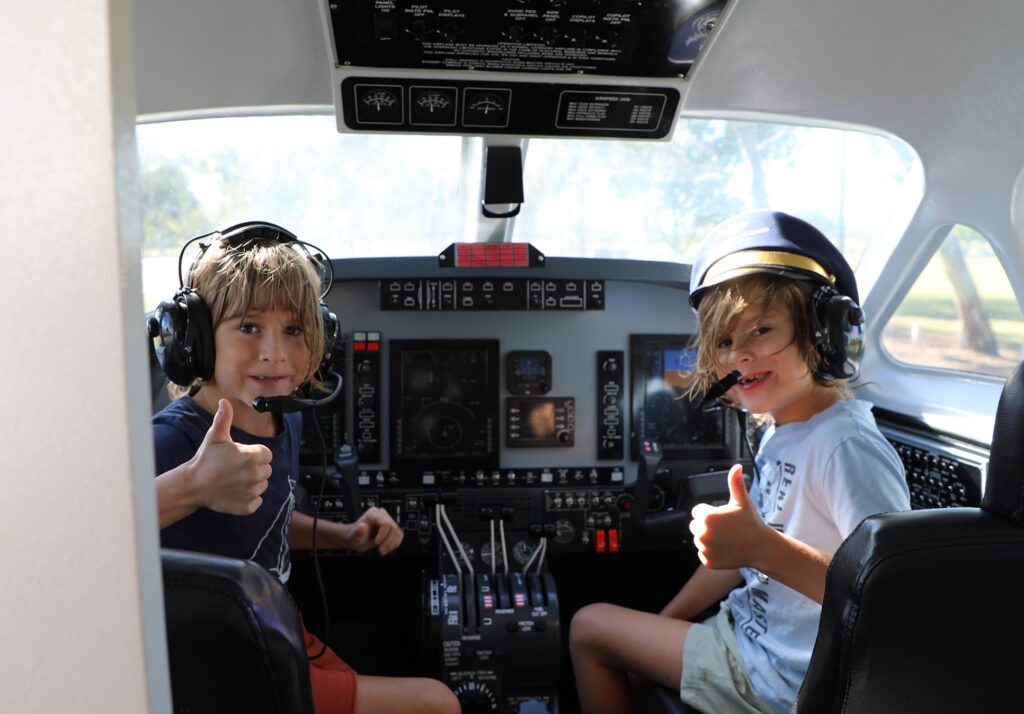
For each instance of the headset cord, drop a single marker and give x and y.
(316, 553)
(744, 417)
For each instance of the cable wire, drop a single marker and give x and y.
(316, 553)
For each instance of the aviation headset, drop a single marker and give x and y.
(182, 327)
(777, 243)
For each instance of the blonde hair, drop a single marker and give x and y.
(720, 310)
(261, 274)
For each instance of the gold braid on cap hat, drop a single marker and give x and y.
(745, 262)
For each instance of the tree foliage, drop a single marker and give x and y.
(170, 211)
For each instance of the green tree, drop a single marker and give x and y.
(170, 211)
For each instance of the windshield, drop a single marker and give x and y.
(657, 201)
(360, 195)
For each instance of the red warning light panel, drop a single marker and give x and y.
(491, 255)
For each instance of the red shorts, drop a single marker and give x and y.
(333, 682)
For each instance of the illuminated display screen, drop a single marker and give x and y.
(660, 411)
(539, 423)
(444, 403)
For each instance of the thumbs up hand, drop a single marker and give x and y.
(229, 477)
(729, 536)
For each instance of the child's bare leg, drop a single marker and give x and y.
(404, 695)
(608, 641)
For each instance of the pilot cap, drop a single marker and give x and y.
(769, 242)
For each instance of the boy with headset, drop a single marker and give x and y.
(776, 303)
(249, 323)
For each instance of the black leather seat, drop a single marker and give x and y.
(233, 638)
(922, 609)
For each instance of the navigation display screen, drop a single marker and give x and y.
(444, 403)
(660, 411)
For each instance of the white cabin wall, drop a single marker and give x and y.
(78, 534)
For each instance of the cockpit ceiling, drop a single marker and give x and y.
(241, 56)
(860, 63)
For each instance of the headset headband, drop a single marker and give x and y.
(240, 235)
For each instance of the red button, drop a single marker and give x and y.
(359, 346)
(600, 545)
(613, 541)
(373, 346)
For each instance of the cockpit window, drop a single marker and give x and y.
(961, 313)
(362, 195)
(351, 195)
(656, 201)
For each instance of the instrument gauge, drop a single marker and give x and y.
(522, 552)
(380, 100)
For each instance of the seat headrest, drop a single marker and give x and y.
(1004, 489)
(234, 640)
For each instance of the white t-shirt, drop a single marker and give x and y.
(817, 479)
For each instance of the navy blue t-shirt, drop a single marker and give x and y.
(178, 430)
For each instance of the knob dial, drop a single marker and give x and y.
(476, 698)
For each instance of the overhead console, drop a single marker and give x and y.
(595, 68)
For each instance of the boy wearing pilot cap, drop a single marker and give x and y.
(776, 305)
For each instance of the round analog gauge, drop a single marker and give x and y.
(564, 532)
(485, 555)
(379, 100)
(522, 552)
(431, 102)
(486, 105)
(470, 552)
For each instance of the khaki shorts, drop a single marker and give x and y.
(714, 677)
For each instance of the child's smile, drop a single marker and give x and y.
(775, 378)
(749, 381)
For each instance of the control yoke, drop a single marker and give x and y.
(668, 522)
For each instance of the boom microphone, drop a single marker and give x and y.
(720, 387)
(283, 405)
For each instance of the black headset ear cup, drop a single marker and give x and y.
(332, 331)
(166, 327)
(182, 330)
(199, 335)
(838, 326)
